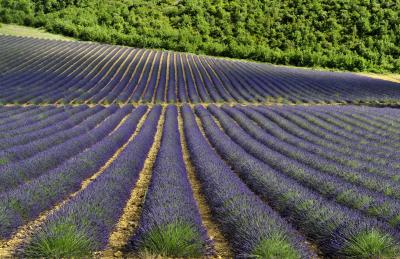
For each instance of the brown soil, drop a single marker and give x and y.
(221, 245)
(129, 220)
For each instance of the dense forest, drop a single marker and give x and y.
(356, 35)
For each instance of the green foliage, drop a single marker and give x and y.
(354, 35)
(173, 240)
(62, 240)
(275, 247)
(372, 244)
(3, 161)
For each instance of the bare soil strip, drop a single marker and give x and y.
(178, 104)
(14, 246)
(167, 77)
(120, 124)
(221, 245)
(153, 98)
(129, 220)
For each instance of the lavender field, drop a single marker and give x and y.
(66, 72)
(109, 151)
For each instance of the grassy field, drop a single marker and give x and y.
(388, 77)
(17, 30)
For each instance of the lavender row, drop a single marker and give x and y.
(358, 128)
(104, 76)
(359, 146)
(343, 135)
(313, 127)
(95, 73)
(383, 145)
(120, 82)
(32, 59)
(285, 130)
(33, 147)
(27, 201)
(276, 150)
(99, 206)
(36, 78)
(384, 148)
(26, 118)
(14, 174)
(169, 210)
(39, 61)
(345, 131)
(327, 185)
(44, 122)
(23, 44)
(19, 112)
(388, 114)
(337, 230)
(314, 149)
(252, 227)
(74, 68)
(10, 111)
(13, 43)
(61, 121)
(375, 122)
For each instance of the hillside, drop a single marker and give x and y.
(350, 35)
(67, 72)
(23, 31)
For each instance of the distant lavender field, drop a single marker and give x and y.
(43, 71)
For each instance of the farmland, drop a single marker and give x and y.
(115, 151)
(62, 72)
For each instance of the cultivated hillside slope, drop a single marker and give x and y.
(39, 71)
(353, 35)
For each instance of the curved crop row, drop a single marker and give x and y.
(99, 206)
(274, 178)
(313, 127)
(252, 227)
(308, 169)
(336, 229)
(14, 174)
(319, 144)
(170, 223)
(64, 121)
(41, 126)
(28, 200)
(28, 117)
(25, 145)
(77, 72)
